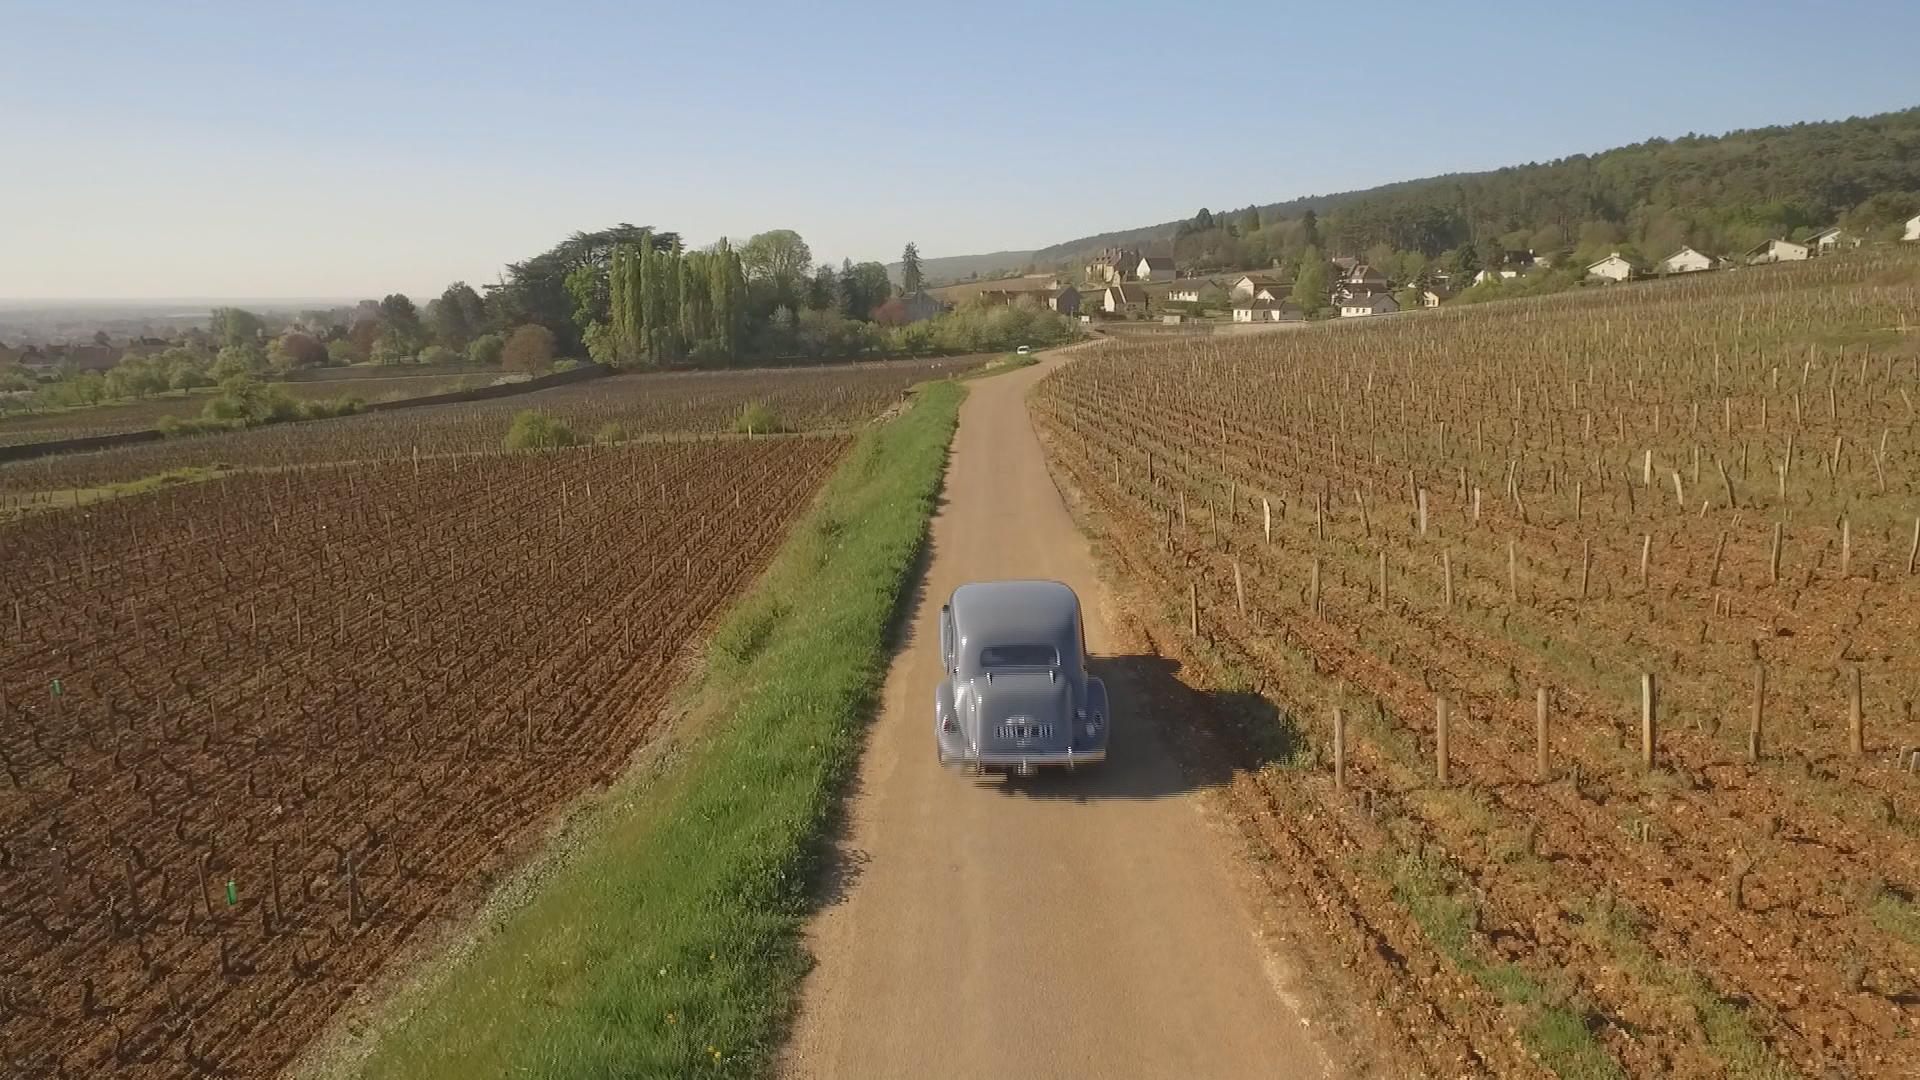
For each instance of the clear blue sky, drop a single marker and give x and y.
(347, 149)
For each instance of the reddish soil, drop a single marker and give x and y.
(353, 693)
(1712, 916)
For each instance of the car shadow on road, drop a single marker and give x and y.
(1158, 724)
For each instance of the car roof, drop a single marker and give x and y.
(1029, 611)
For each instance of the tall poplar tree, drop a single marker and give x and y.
(910, 276)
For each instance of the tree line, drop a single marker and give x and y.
(626, 295)
(1720, 194)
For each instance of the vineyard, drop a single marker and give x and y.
(140, 415)
(1593, 624)
(263, 733)
(803, 399)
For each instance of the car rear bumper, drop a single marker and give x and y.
(1025, 761)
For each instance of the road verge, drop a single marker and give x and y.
(665, 939)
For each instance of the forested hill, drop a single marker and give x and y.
(1158, 236)
(943, 269)
(1722, 192)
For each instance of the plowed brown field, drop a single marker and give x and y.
(258, 734)
(624, 406)
(1548, 501)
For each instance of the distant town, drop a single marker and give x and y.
(1128, 285)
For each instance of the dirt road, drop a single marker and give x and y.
(1059, 926)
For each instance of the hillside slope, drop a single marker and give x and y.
(1722, 190)
(954, 268)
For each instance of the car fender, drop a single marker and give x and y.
(943, 709)
(1097, 703)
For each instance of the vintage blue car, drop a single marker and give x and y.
(1017, 695)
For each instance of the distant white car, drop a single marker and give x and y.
(1023, 350)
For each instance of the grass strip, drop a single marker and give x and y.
(1553, 1030)
(667, 942)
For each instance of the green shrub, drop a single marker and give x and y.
(535, 430)
(758, 418)
(565, 365)
(486, 349)
(610, 434)
(225, 407)
(322, 408)
(174, 427)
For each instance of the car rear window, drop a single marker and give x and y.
(1003, 656)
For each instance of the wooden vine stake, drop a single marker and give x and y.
(1383, 577)
(1513, 574)
(1440, 738)
(1719, 550)
(1193, 608)
(1266, 519)
(1649, 703)
(1339, 748)
(1239, 589)
(1757, 723)
(1313, 587)
(1542, 765)
(1856, 732)
(1773, 559)
(1446, 576)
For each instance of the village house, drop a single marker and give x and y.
(1495, 275)
(1357, 290)
(1913, 228)
(1154, 268)
(1264, 311)
(1433, 296)
(1777, 250)
(1173, 318)
(1065, 299)
(919, 307)
(83, 357)
(1276, 293)
(1686, 261)
(1828, 241)
(1124, 300)
(1344, 263)
(1362, 274)
(1379, 303)
(1249, 284)
(1188, 292)
(1113, 266)
(1615, 267)
(912, 308)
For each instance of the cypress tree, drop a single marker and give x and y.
(648, 287)
(617, 312)
(725, 299)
